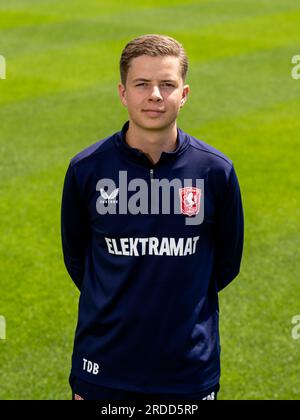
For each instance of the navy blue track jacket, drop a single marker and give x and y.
(149, 265)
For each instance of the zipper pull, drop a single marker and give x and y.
(151, 174)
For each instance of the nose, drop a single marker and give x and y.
(155, 94)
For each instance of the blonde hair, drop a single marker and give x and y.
(153, 45)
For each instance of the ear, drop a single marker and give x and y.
(122, 94)
(185, 93)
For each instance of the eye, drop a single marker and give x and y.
(168, 86)
(141, 84)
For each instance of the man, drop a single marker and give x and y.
(152, 230)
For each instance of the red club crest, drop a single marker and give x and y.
(189, 200)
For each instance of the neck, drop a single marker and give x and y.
(152, 142)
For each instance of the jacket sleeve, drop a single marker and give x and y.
(229, 234)
(74, 228)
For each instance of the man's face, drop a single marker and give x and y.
(153, 84)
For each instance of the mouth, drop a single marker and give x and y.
(153, 112)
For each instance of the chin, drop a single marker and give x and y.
(152, 123)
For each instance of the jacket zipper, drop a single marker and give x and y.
(151, 174)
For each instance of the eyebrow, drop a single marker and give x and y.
(140, 79)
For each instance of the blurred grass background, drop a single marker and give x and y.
(60, 96)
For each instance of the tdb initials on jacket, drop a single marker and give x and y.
(149, 246)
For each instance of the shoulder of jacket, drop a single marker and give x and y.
(99, 147)
(211, 152)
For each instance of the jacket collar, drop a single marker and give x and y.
(136, 154)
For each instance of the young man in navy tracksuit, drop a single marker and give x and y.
(152, 230)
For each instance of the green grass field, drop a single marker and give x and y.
(60, 95)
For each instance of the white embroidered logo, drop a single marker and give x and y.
(90, 367)
(209, 397)
(109, 198)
